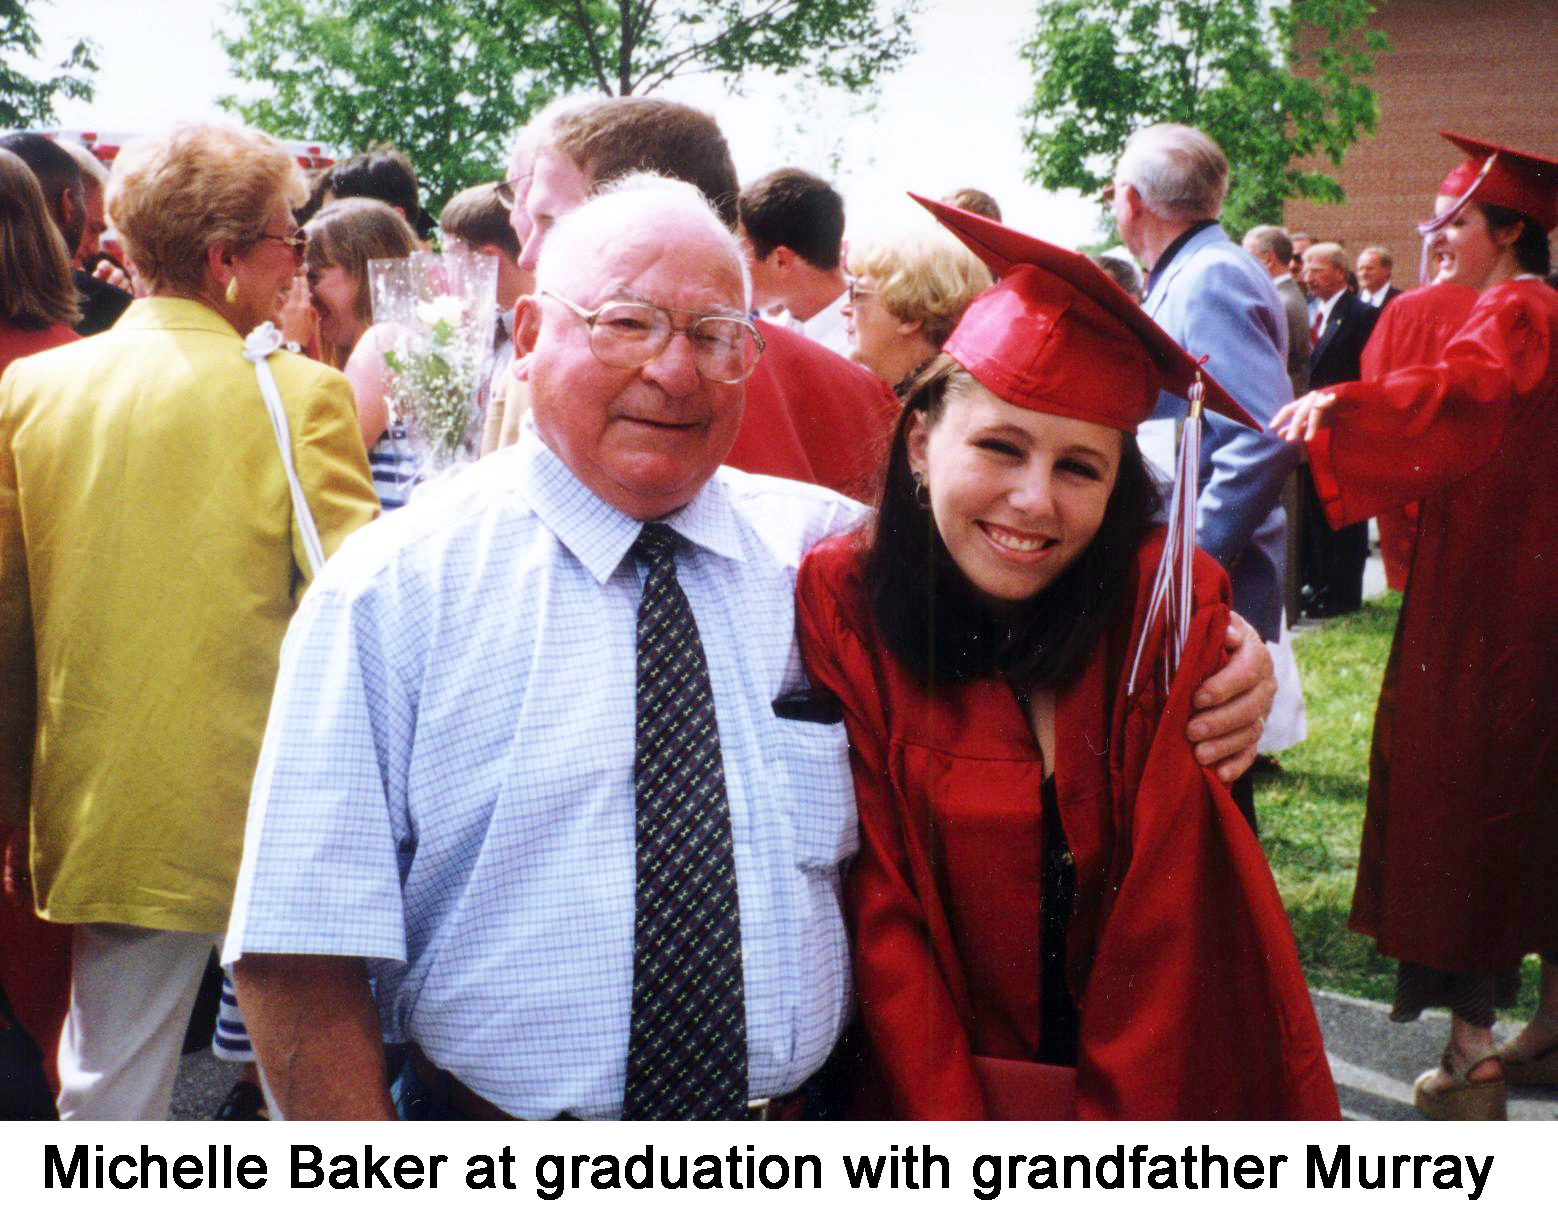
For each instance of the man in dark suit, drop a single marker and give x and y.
(1374, 286)
(1332, 561)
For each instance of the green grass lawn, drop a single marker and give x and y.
(1311, 813)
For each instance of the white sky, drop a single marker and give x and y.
(949, 118)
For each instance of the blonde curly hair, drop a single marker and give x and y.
(174, 195)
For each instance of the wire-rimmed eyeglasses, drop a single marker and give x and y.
(630, 334)
(297, 240)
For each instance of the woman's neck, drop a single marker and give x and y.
(214, 301)
(1506, 268)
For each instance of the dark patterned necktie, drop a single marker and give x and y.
(687, 1044)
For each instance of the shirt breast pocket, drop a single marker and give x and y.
(812, 787)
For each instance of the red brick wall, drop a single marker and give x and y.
(1485, 68)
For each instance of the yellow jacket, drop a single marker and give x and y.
(149, 564)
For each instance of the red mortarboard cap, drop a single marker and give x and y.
(1057, 334)
(1526, 182)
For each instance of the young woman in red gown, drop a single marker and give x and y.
(1458, 876)
(1057, 912)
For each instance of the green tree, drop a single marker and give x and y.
(27, 101)
(1272, 83)
(449, 83)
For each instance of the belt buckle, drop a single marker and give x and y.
(757, 1108)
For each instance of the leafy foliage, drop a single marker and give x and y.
(449, 83)
(1272, 83)
(24, 100)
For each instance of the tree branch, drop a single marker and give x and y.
(668, 65)
(625, 46)
(582, 20)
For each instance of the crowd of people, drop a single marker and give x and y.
(828, 690)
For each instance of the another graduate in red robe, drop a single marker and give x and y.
(1420, 322)
(1458, 876)
(1057, 912)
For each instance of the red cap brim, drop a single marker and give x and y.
(1525, 182)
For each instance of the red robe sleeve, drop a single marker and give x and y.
(915, 1023)
(1413, 432)
(1195, 1006)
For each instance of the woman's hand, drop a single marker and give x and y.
(296, 316)
(1301, 419)
(15, 881)
(1232, 704)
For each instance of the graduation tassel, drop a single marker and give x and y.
(1171, 598)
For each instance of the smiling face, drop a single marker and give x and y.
(334, 294)
(1467, 250)
(265, 268)
(1017, 495)
(644, 440)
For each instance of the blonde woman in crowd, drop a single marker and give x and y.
(906, 293)
(153, 546)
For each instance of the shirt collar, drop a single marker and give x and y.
(598, 534)
(1173, 248)
(1283, 278)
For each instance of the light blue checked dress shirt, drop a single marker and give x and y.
(446, 785)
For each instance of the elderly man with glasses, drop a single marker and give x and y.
(542, 763)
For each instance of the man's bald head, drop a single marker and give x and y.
(634, 211)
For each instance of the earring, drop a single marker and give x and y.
(232, 291)
(921, 490)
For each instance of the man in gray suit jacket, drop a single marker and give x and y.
(1270, 246)
(1217, 302)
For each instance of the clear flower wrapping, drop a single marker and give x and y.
(439, 311)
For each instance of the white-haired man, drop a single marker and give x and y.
(1217, 302)
(425, 816)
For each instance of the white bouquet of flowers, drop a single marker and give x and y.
(439, 311)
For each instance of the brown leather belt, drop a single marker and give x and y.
(449, 1090)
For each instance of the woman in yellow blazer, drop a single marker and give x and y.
(150, 559)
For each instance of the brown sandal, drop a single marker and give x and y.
(1464, 1098)
(1540, 1069)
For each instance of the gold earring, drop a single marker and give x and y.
(232, 291)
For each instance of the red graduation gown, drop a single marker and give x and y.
(814, 416)
(1459, 863)
(1187, 981)
(1413, 331)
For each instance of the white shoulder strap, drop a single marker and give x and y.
(261, 342)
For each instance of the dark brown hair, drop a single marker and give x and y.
(36, 289)
(793, 208)
(1531, 248)
(937, 624)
